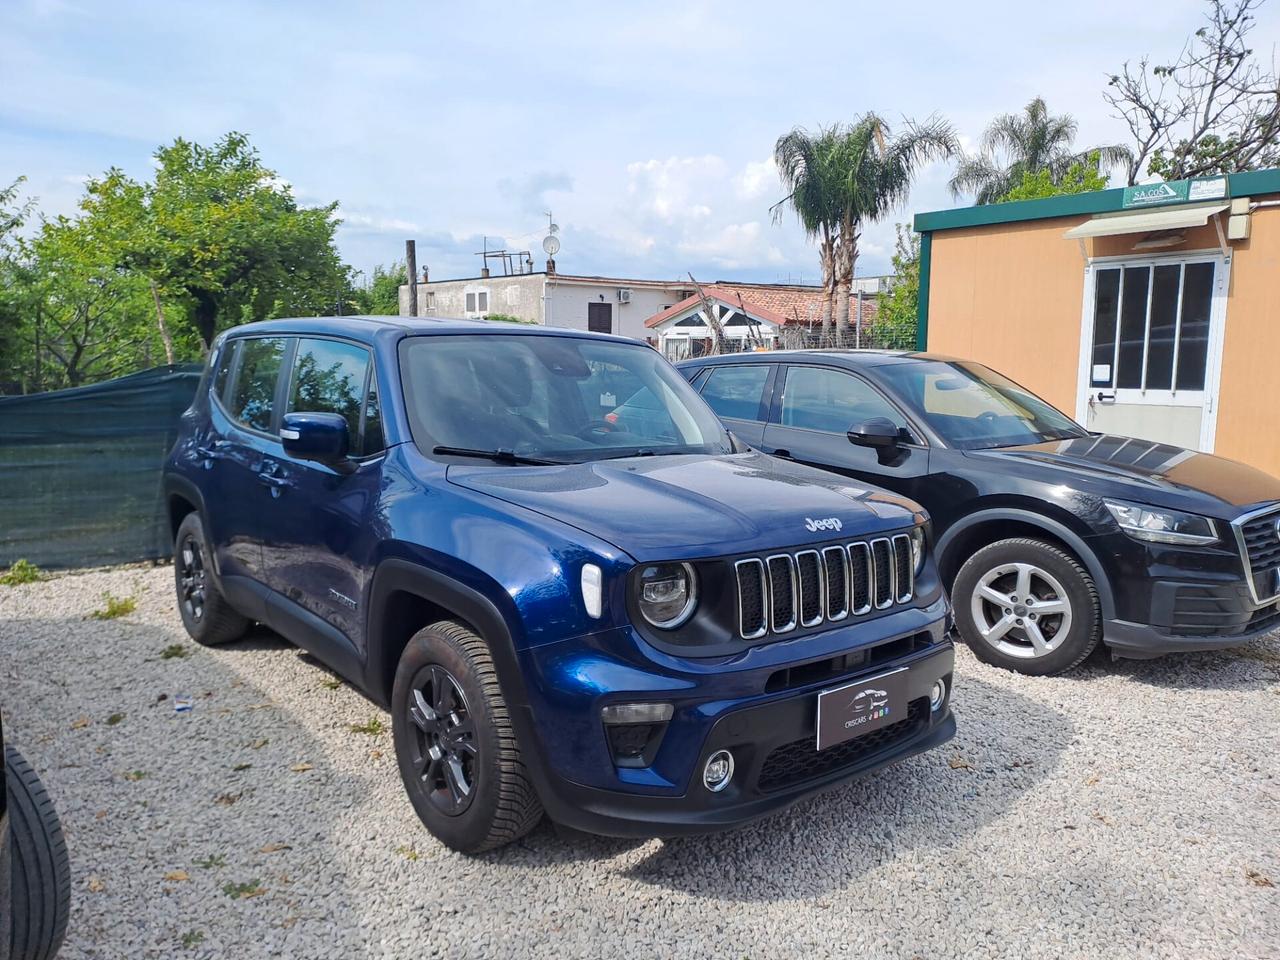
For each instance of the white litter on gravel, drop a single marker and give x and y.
(1127, 810)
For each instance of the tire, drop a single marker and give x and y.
(446, 695)
(206, 614)
(41, 873)
(1054, 633)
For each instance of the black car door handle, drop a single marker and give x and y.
(784, 454)
(210, 453)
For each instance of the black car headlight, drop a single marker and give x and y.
(667, 594)
(1160, 525)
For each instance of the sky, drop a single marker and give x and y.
(646, 128)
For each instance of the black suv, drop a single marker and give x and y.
(1050, 538)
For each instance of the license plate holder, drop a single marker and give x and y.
(858, 708)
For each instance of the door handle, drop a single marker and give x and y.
(210, 453)
(784, 454)
(1106, 397)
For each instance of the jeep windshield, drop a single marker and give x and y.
(972, 407)
(528, 397)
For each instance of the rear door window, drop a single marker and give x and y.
(736, 391)
(253, 396)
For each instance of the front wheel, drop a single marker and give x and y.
(455, 745)
(1027, 606)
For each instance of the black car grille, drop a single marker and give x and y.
(800, 760)
(1260, 540)
(778, 593)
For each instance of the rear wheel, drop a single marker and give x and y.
(1027, 606)
(208, 617)
(41, 873)
(455, 746)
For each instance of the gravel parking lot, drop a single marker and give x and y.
(1128, 810)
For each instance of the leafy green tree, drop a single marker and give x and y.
(1080, 177)
(223, 236)
(897, 310)
(1016, 144)
(380, 294)
(13, 213)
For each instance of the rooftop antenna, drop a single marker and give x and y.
(551, 243)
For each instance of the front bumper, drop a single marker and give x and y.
(772, 736)
(1172, 599)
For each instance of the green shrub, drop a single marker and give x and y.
(22, 571)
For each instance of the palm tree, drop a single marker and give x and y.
(846, 176)
(806, 165)
(875, 172)
(1026, 142)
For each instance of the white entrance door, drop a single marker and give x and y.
(1152, 348)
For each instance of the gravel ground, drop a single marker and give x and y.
(1128, 810)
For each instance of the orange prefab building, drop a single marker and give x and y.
(1150, 311)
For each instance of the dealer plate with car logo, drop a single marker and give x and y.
(861, 707)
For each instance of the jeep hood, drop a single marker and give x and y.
(1155, 473)
(682, 507)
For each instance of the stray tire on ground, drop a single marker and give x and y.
(41, 894)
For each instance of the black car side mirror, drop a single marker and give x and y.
(879, 432)
(315, 436)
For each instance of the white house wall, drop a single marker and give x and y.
(568, 305)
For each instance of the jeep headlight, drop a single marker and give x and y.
(668, 594)
(917, 549)
(1161, 526)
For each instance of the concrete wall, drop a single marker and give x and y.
(568, 305)
(547, 299)
(519, 296)
(1011, 296)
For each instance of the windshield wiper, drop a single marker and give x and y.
(500, 455)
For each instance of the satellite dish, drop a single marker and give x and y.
(550, 246)
(553, 228)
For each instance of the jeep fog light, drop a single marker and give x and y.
(937, 695)
(634, 731)
(718, 771)
(592, 590)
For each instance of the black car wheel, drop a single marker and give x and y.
(41, 873)
(206, 614)
(455, 746)
(1027, 606)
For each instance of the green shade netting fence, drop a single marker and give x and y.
(80, 469)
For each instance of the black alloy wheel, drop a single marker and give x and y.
(446, 753)
(192, 578)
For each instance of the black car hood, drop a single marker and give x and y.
(1141, 470)
(681, 507)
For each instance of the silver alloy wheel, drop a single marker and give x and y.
(1021, 610)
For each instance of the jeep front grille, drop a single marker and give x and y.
(783, 591)
(1259, 538)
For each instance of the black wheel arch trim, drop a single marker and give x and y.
(1054, 527)
(482, 614)
(395, 574)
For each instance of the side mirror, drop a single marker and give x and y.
(315, 436)
(879, 432)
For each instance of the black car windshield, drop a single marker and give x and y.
(550, 398)
(971, 407)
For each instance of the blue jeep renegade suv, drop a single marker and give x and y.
(642, 635)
